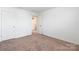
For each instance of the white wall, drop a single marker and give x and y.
(24, 23)
(16, 23)
(61, 23)
(46, 20)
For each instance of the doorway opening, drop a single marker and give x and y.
(34, 24)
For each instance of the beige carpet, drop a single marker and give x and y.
(37, 42)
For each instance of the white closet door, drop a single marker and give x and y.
(8, 24)
(0, 24)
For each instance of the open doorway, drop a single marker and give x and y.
(34, 24)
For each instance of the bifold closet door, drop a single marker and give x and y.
(8, 23)
(0, 24)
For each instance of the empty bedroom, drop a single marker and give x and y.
(39, 29)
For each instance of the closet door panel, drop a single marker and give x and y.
(8, 24)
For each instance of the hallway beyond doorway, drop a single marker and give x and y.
(34, 23)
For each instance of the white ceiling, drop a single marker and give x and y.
(36, 9)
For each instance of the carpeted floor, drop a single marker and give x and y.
(37, 42)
